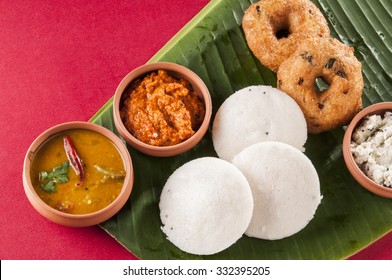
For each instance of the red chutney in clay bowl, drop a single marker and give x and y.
(78, 174)
(162, 109)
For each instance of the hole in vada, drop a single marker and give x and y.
(281, 26)
(282, 33)
(321, 84)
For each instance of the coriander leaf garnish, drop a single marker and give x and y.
(58, 175)
(49, 187)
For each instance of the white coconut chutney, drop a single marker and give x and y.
(371, 147)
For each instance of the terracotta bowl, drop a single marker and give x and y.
(74, 220)
(176, 71)
(355, 171)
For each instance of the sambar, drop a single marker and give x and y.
(103, 166)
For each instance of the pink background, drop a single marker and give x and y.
(61, 61)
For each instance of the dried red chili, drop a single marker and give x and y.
(73, 157)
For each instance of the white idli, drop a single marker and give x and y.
(285, 188)
(255, 114)
(205, 206)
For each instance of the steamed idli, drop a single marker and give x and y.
(285, 188)
(254, 114)
(205, 206)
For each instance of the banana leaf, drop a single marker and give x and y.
(213, 45)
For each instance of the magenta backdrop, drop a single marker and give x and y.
(61, 61)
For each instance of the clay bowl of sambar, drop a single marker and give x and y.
(78, 174)
(162, 109)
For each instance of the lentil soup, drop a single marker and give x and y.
(57, 182)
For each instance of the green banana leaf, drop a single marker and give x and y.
(213, 45)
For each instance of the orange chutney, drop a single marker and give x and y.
(103, 172)
(160, 110)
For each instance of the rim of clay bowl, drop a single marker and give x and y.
(81, 220)
(176, 70)
(352, 166)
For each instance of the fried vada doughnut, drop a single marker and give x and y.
(334, 63)
(274, 28)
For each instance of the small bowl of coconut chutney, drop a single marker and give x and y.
(367, 148)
